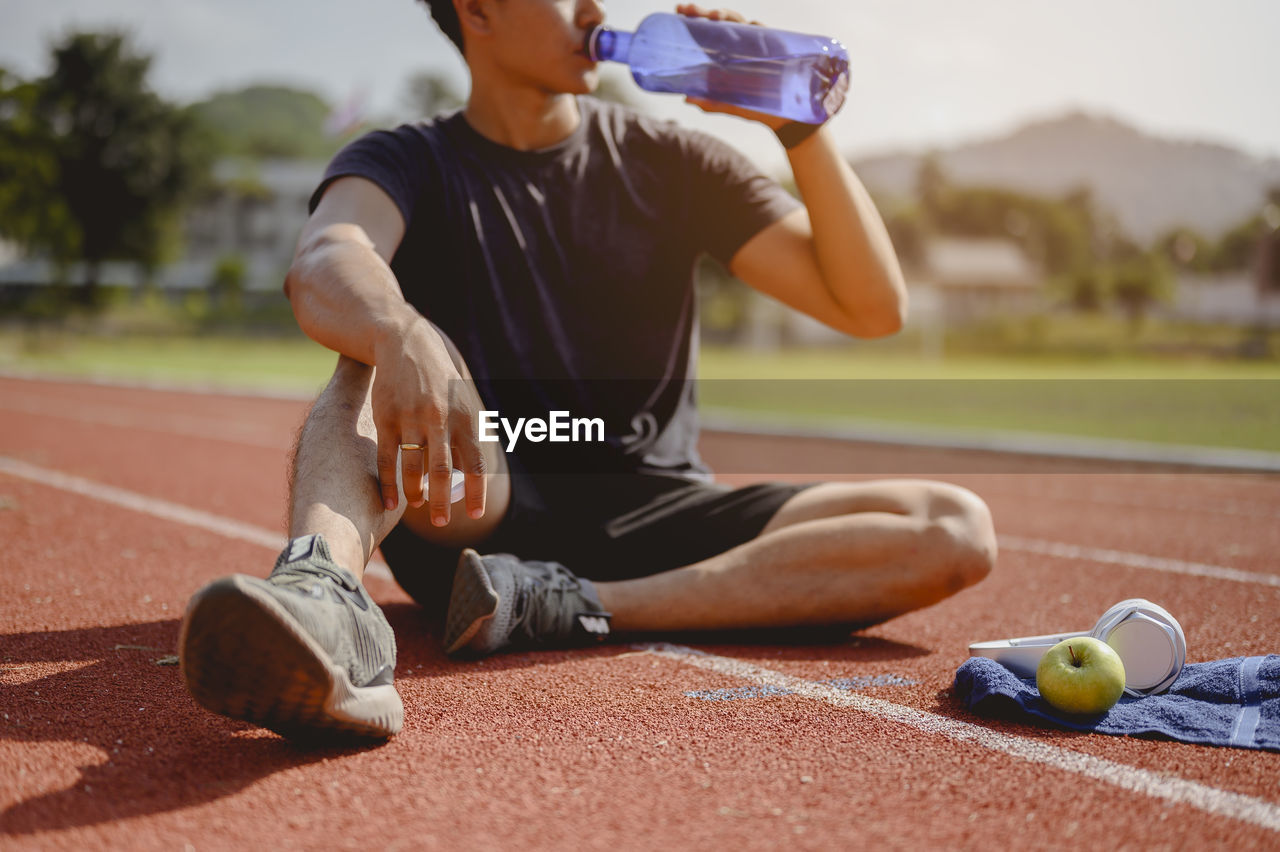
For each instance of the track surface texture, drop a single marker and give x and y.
(117, 504)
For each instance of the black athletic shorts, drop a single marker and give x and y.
(601, 527)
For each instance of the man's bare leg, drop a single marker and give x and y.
(306, 652)
(334, 483)
(333, 487)
(838, 553)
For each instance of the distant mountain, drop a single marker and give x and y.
(1150, 184)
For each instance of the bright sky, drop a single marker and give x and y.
(926, 72)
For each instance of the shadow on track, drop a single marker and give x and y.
(160, 752)
(1010, 721)
(115, 690)
(420, 655)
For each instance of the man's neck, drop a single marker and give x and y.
(524, 120)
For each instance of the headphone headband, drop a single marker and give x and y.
(1148, 639)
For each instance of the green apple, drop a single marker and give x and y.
(1082, 675)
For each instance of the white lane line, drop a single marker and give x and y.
(1149, 502)
(257, 535)
(1005, 442)
(237, 433)
(1134, 560)
(158, 508)
(98, 414)
(153, 506)
(294, 393)
(234, 434)
(1178, 791)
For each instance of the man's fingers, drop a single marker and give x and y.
(692, 10)
(413, 456)
(439, 474)
(770, 121)
(470, 460)
(439, 468)
(387, 454)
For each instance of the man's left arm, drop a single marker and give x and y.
(831, 259)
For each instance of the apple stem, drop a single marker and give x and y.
(1072, 651)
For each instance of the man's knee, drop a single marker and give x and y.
(961, 533)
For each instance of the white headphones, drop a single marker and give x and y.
(1148, 639)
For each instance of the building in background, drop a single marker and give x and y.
(1231, 298)
(974, 278)
(959, 280)
(254, 214)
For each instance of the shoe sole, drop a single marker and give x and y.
(245, 656)
(472, 602)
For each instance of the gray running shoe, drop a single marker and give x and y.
(500, 601)
(306, 652)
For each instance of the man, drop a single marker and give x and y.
(536, 248)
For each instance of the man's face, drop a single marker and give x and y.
(539, 43)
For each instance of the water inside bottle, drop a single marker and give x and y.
(792, 75)
(793, 86)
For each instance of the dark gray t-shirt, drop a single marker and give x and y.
(565, 275)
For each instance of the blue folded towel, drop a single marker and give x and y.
(1232, 702)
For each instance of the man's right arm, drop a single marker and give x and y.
(346, 297)
(340, 284)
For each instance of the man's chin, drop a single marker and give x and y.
(590, 81)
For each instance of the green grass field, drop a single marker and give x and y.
(288, 365)
(1201, 402)
(1225, 403)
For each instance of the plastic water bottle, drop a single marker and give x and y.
(791, 75)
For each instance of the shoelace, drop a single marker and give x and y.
(304, 575)
(368, 659)
(537, 620)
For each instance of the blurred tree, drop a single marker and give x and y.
(1139, 281)
(120, 161)
(909, 232)
(724, 302)
(1068, 227)
(1058, 234)
(1238, 246)
(1081, 248)
(226, 284)
(262, 122)
(430, 93)
(1086, 289)
(932, 186)
(971, 211)
(1268, 262)
(32, 213)
(1185, 248)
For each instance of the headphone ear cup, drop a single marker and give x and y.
(1150, 642)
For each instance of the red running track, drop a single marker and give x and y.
(620, 747)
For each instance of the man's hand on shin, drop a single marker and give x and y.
(424, 413)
